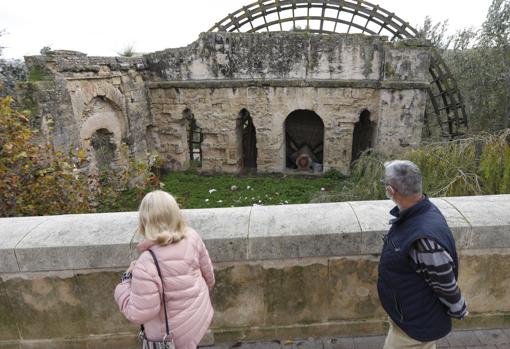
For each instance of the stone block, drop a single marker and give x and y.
(238, 296)
(224, 231)
(8, 328)
(295, 294)
(79, 242)
(12, 232)
(352, 291)
(461, 229)
(294, 231)
(373, 218)
(484, 278)
(489, 218)
(45, 308)
(95, 292)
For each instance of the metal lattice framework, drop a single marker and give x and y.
(349, 16)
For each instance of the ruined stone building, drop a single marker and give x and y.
(240, 100)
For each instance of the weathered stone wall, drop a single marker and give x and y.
(145, 101)
(273, 74)
(217, 113)
(74, 96)
(282, 271)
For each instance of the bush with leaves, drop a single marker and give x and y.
(479, 165)
(35, 179)
(119, 188)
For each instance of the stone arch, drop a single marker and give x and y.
(353, 16)
(246, 140)
(304, 140)
(86, 92)
(102, 130)
(362, 135)
(195, 138)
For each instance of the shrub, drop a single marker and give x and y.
(35, 179)
(474, 166)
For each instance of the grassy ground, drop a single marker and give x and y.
(479, 165)
(198, 191)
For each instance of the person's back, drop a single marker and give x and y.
(418, 268)
(188, 277)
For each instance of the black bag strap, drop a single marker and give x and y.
(163, 289)
(163, 294)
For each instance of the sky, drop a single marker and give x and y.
(105, 27)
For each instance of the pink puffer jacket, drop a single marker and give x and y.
(188, 276)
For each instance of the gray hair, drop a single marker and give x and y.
(404, 176)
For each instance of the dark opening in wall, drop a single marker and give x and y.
(195, 139)
(362, 135)
(103, 143)
(304, 139)
(248, 139)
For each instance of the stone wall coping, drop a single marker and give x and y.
(107, 240)
(318, 83)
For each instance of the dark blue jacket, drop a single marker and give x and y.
(409, 301)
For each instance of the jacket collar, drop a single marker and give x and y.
(144, 245)
(403, 215)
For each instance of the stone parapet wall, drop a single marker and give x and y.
(282, 271)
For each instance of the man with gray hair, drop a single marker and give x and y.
(418, 270)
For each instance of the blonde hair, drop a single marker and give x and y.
(160, 218)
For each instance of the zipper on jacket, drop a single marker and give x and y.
(397, 249)
(386, 239)
(398, 308)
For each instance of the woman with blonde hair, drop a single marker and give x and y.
(167, 289)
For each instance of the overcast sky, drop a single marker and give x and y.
(105, 27)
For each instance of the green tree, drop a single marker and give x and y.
(479, 59)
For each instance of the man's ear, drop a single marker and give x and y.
(390, 190)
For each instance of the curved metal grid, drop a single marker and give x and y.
(350, 16)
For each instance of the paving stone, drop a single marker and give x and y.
(374, 342)
(339, 343)
(474, 339)
(260, 345)
(310, 343)
(218, 346)
(492, 337)
(442, 343)
(463, 338)
(506, 331)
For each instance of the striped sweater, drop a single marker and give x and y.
(432, 261)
